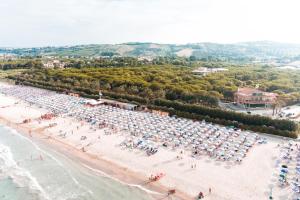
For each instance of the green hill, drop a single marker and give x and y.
(247, 50)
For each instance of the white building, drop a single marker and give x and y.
(53, 64)
(203, 71)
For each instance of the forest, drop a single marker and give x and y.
(174, 82)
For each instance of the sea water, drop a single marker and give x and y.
(31, 171)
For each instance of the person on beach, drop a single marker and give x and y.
(209, 190)
(151, 177)
(200, 195)
(171, 192)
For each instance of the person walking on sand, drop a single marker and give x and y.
(200, 195)
(172, 191)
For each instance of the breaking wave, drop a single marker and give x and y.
(9, 169)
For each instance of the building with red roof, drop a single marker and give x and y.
(252, 97)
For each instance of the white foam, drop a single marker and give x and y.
(50, 156)
(20, 176)
(119, 181)
(13, 131)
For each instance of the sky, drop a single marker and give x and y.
(34, 23)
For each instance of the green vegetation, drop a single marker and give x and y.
(127, 62)
(174, 83)
(286, 83)
(240, 52)
(151, 82)
(4, 74)
(20, 64)
(176, 90)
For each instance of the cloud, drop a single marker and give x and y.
(66, 22)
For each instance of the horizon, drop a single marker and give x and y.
(39, 23)
(137, 42)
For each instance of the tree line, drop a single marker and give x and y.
(21, 64)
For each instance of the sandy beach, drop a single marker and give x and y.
(252, 179)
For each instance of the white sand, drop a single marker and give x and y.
(251, 179)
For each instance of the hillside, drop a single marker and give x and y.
(237, 51)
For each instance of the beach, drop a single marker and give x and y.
(102, 154)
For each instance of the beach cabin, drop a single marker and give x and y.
(122, 105)
(161, 113)
(93, 103)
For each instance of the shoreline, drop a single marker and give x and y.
(97, 164)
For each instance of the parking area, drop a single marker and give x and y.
(288, 112)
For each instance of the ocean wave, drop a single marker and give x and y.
(24, 179)
(58, 162)
(21, 177)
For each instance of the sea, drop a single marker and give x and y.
(32, 171)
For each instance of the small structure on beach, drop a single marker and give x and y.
(93, 103)
(159, 112)
(118, 104)
(73, 94)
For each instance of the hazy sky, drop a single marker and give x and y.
(66, 22)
